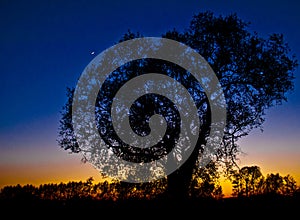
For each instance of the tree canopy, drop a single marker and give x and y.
(255, 74)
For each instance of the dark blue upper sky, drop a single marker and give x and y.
(45, 45)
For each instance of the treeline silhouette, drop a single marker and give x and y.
(107, 190)
(249, 181)
(246, 182)
(271, 195)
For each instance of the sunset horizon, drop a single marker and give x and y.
(46, 47)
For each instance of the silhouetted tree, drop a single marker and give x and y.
(206, 182)
(247, 181)
(274, 184)
(280, 185)
(254, 72)
(289, 185)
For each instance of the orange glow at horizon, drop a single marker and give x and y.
(59, 167)
(47, 173)
(52, 165)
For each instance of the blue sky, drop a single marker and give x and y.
(45, 45)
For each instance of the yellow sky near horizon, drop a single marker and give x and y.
(59, 166)
(35, 158)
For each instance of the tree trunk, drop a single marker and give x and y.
(179, 181)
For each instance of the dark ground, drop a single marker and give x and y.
(267, 207)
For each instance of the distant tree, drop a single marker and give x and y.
(283, 185)
(255, 73)
(87, 187)
(289, 185)
(247, 181)
(274, 183)
(206, 182)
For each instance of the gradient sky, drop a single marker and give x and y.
(45, 45)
